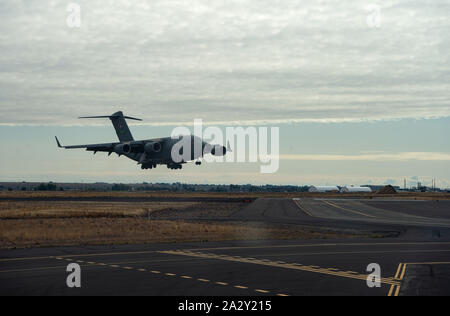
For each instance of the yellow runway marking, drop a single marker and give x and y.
(399, 275)
(356, 252)
(324, 245)
(147, 261)
(26, 259)
(44, 268)
(403, 271)
(302, 208)
(397, 290)
(398, 271)
(169, 274)
(283, 265)
(230, 248)
(346, 209)
(32, 269)
(262, 291)
(79, 255)
(391, 289)
(430, 263)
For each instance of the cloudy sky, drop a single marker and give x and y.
(356, 101)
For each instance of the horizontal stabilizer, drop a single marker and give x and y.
(110, 117)
(119, 123)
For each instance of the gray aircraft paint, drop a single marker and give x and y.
(137, 152)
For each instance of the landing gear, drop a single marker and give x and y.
(174, 166)
(148, 166)
(198, 163)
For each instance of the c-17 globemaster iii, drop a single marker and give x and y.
(152, 152)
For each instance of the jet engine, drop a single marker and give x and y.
(122, 149)
(152, 147)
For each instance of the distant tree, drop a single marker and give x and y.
(120, 187)
(46, 187)
(304, 188)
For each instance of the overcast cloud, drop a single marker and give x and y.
(255, 60)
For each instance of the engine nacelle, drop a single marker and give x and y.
(122, 149)
(152, 147)
(218, 150)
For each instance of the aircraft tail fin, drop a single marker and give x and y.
(120, 125)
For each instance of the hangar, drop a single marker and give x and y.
(355, 189)
(323, 189)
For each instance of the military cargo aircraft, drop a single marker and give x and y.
(152, 152)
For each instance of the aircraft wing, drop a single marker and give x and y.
(107, 147)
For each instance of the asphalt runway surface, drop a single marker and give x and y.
(416, 262)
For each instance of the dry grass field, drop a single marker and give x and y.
(76, 209)
(95, 231)
(53, 222)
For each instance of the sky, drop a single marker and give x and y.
(359, 90)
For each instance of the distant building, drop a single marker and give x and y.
(356, 189)
(323, 189)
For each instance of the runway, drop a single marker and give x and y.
(308, 209)
(273, 268)
(417, 262)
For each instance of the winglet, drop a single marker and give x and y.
(58, 143)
